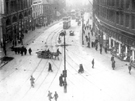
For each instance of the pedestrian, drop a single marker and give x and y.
(50, 67)
(32, 81)
(112, 58)
(113, 64)
(30, 50)
(49, 96)
(56, 96)
(129, 68)
(21, 51)
(105, 50)
(25, 50)
(15, 50)
(88, 44)
(96, 47)
(100, 50)
(61, 82)
(93, 63)
(81, 69)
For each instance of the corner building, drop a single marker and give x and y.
(16, 20)
(114, 26)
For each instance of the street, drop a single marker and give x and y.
(98, 84)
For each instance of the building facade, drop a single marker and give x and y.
(16, 20)
(114, 25)
(37, 13)
(48, 11)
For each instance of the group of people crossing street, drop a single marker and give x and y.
(50, 96)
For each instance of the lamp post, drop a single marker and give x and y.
(64, 71)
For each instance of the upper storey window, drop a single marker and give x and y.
(117, 3)
(127, 4)
(110, 2)
(13, 6)
(133, 4)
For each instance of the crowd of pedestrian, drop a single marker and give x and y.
(96, 44)
(22, 50)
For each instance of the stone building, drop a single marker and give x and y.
(114, 25)
(16, 20)
(48, 10)
(37, 13)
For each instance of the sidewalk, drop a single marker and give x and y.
(104, 58)
(28, 39)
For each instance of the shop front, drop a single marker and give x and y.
(15, 34)
(132, 62)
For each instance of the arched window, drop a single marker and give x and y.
(20, 16)
(8, 22)
(25, 14)
(14, 19)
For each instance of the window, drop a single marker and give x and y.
(133, 4)
(127, 20)
(127, 4)
(121, 18)
(117, 17)
(7, 7)
(133, 22)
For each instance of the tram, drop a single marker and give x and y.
(66, 22)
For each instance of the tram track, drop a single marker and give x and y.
(17, 67)
(85, 78)
(56, 73)
(36, 66)
(41, 73)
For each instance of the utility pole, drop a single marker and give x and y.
(64, 71)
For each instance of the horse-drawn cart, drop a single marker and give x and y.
(48, 54)
(44, 54)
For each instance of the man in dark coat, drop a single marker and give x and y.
(93, 63)
(25, 50)
(100, 50)
(50, 67)
(22, 51)
(112, 58)
(129, 68)
(61, 80)
(32, 81)
(30, 50)
(113, 64)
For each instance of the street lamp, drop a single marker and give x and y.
(64, 71)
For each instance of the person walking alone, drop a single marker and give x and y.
(32, 81)
(93, 63)
(30, 50)
(113, 64)
(129, 68)
(50, 67)
(56, 96)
